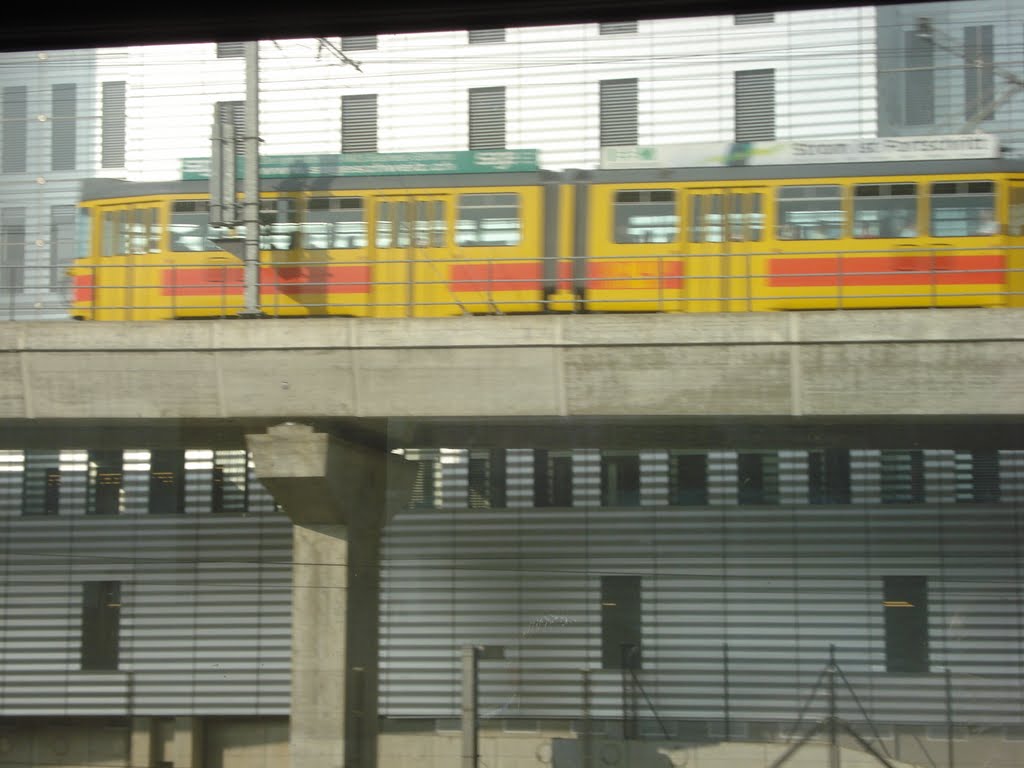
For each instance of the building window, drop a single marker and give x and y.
(424, 494)
(617, 28)
(62, 244)
(552, 479)
(754, 95)
(618, 112)
(359, 123)
(234, 50)
(918, 80)
(359, 43)
(757, 478)
(486, 480)
(112, 125)
(12, 249)
(42, 480)
(232, 112)
(980, 483)
(905, 603)
(101, 620)
(621, 622)
(828, 476)
(902, 477)
(688, 479)
(63, 133)
(14, 151)
(620, 480)
(979, 73)
(480, 36)
(230, 473)
(167, 483)
(106, 481)
(743, 19)
(487, 118)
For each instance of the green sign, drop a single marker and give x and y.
(370, 164)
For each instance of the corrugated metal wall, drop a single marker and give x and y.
(205, 599)
(779, 584)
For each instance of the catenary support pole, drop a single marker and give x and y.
(252, 180)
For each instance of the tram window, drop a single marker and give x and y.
(430, 224)
(963, 209)
(1016, 221)
(279, 225)
(190, 227)
(488, 220)
(885, 210)
(109, 223)
(706, 225)
(645, 216)
(334, 222)
(813, 212)
(142, 233)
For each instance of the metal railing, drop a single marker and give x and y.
(143, 287)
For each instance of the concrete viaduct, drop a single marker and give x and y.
(321, 402)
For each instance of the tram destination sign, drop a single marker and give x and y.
(886, 149)
(371, 164)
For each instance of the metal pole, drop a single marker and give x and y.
(585, 746)
(252, 180)
(833, 721)
(950, 762)
(470, 738)
(725, 682)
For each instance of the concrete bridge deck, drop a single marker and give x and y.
(424, 381)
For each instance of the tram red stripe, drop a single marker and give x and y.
(84, 291)
(635, 274)
(495, 277)
(887, 270)
(282, 281)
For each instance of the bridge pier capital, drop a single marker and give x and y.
(338, 495)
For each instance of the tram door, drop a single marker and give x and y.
(725, 240)
(1015, 239)
(126, 233)
(412, 263)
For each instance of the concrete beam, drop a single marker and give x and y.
(338, 495)
(815, 364)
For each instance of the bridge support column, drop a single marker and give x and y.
(337, 495)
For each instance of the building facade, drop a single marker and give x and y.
(566, 91)
(682, 597)
(946, 68)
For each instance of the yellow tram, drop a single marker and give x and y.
(925, 233)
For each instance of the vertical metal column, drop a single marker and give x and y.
(586, 744)
(252, 180)
(470, 737)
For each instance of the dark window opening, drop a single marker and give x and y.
(359, 43)
(902, 477)
(359, 123)
(828, 477)
(617, 27)
(14, 130)
(487, 480)
(757, 478)
(423, 495)
(620, 481)
(918, 80)
(905, 603)
(234, 50)
(106, 479)
(487, 118)
(480, 36)
(979, 73)
(230, 474)
(984, 488)
(618, 112)
(101, 619)
(552, 479)
(688, 480)
(113, 125)
(167, 483)
(64, 137)
(621, 622)
(754, 94)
